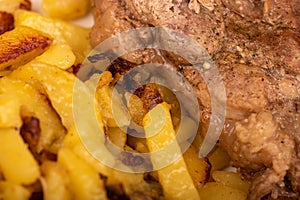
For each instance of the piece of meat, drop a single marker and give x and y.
(128, 14)
(206, 28)
(250, 9)
(257, 143)
(256, 46)
(277, 13)
(262, 46)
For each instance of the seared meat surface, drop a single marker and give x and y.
(256, 46)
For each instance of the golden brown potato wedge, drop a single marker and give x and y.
(59, 55)
(133, 183)
(63, 32)
(21, 45)
(117, 136)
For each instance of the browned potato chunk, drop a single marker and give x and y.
(219, 159)
(6, 22)
(21, 45)
(59, 89)
(175, 179)
(85, 181)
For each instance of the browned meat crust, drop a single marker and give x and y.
(6, 22)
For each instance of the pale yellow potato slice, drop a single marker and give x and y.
(231, 179)
(11, 6)
(19, 99)
(11, 191)
(85, 181)
(55, 181)
(17, 163)
(174, 177)
(58, 85)
(67, 9)
(60, 55)
(218, 191)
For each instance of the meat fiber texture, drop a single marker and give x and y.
(256, 46)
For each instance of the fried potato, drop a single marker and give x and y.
(133, 183)
(10, 111)
(112, 108)
(218, 191)
(197, 167)
(63, 32)
(60, 55)
(135, 108)
(11, 191)
(21, 45)
(22, 100)
(11, 6)
(58, 90)
(67, 9)
(231, 179)
(55, 181)
(117, 136)
(175, 178)
(73, 142)
(17, 163)
(85, 181)
(219, 159)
